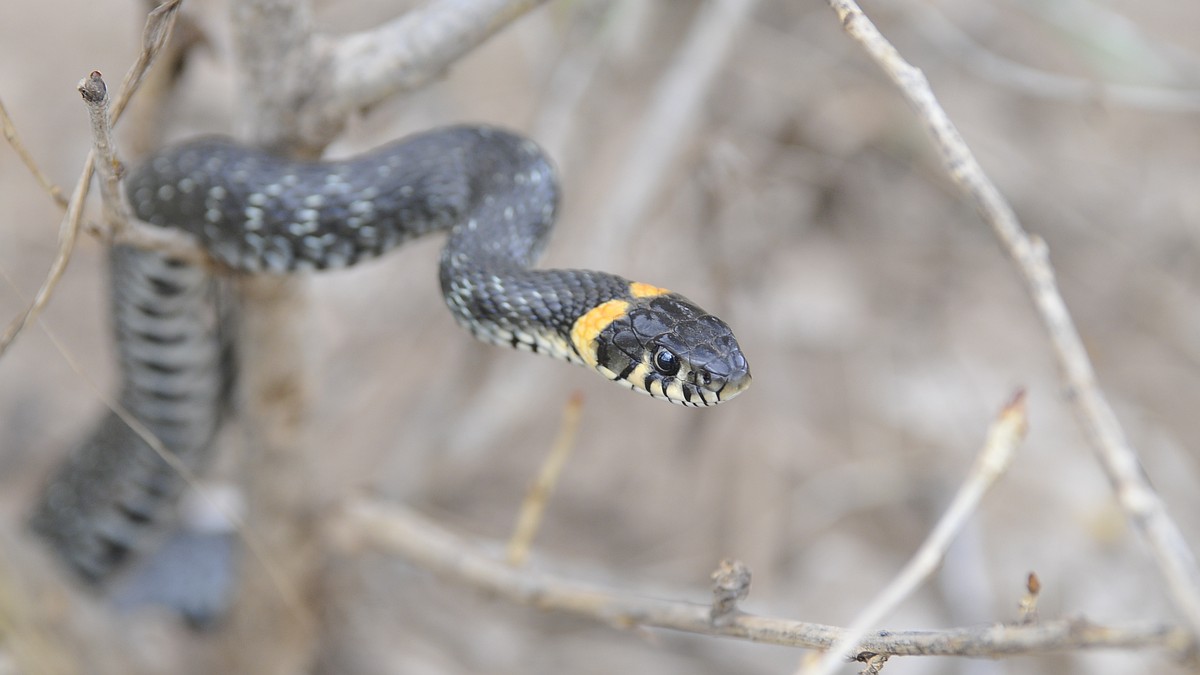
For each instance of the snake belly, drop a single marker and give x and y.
(496, 194)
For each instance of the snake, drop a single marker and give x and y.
(494, 192)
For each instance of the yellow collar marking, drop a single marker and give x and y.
(587, 327)
(640, 290)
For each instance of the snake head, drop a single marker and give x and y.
(664, 345)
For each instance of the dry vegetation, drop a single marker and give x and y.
(884, 325)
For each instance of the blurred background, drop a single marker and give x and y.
(802, 203)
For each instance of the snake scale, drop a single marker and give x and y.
(496, 194)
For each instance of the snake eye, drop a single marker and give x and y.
(665, 362)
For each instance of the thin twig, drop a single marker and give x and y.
(731, 585)
(95, 94)
(529, 518)
(154, 36)
(409, 51)
(1054, 86)
(398, 530)
(669, 122)
(1028, 605)
(1005, 434)
(1141, 503)
(160, 23)
(68, 232)
(10, 135)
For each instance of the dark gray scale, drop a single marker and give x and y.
(101, 504)
(495, 191)
(260, 212)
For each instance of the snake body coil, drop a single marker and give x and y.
(496, 194)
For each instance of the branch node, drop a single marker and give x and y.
(93, 89)
(1028, 604)
(731, 584)
(874, 663)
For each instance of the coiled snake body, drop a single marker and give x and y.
(494, 192)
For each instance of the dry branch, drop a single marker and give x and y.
(529, 517)
(956, 43)
(154, 36)
(14, 140)
(408, 52)
(301, 108)
(668, 123)
(395, 529)
(95, 94)
(272, 627)
(1006, 432)
(294, 104)
(1139, 500)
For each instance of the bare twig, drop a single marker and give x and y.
(731, 585)
(1028, 605)
(1005, 433)
(669, 122)
(1141, 503)
(160, 23)
(573, 75)
(405, 53)
(398, 530)
(68, 232)
(10, 135)
(534, 505)
(1042, 84)
(157, 30)
(104, 149)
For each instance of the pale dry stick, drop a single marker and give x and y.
(330, 78)
(265, 632)
(154, 36)
(572, 77)
(175, 243)
(290, 105)
(395, 529)
(104, 150)
(1028, 606)
(133, 233)
(68, 232)
(669, 122)
(160, 22)
(1100, 28)
(731, 585)
(956, 43)
(1003, 437)
(1139, 500)
(529, 518)
(14, 141)
(409, 51)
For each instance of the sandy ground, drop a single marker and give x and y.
(882, 322)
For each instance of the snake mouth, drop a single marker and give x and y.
(733, 386)
(690, 394)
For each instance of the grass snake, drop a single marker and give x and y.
(495, 193)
